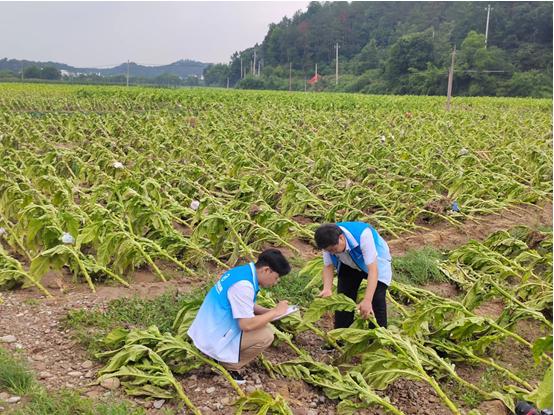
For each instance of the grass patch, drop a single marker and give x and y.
(90, 326)
(68, 402)
(18, 379)
(15, 376)
(491, 380)
(418, 267)
(291, 287)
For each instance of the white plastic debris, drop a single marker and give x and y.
(463, 152)
(2, 231)
(195, 204)
(117, 165)
(67, 239)
(383, 139)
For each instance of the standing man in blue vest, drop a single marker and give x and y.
(230, 327)
(357, 252)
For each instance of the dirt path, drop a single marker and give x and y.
(60, 362)
(446, 236)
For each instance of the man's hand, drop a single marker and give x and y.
(281, 308)
(365, 308)
(326, 292)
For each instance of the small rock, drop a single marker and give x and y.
(13, 399)
(8, 339)
(226, 401)
(110, 383)
(87, 364)
(218, 406)
(210, 389)
(312, 412)
(148, 404)
(321, 398)
(74, 373)
(66, 365)
(313, 404)
(38, 357)
(44, 374)
(89, 374)
(18, 346)
(193, 377)
(93, 393)
(159, 403)
(300, 411)
(250, 389)
(4, 396)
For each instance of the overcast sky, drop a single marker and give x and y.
(87, 34)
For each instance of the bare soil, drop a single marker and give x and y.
(59, 361)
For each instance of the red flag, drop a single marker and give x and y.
(314, 79)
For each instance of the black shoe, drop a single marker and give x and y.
(237, 377)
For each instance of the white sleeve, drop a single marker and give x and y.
(367, 245)
(241, 297)
(327, 259)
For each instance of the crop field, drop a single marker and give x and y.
(139, 190)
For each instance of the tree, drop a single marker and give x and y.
(472, 43)
(31, 72)
(51, 73)
(167, 79)
(191, 81)
(532, 83)
(412, 51)
(216, 75)
(368, 58)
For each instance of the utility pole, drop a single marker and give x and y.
(316, 71)
(241, 68)
(259, 66)
(487, 26)
(450, 79)
(254, 64)
(305, 83)
(127, 72)
(336, 63)
(290, 76)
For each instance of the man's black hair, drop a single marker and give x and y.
(274, 259)
(327, 235)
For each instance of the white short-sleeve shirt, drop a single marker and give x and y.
(367, 245)
(241, 298)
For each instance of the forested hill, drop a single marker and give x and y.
(404, 47)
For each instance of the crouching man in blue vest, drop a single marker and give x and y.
(356, 251)
(230, 327)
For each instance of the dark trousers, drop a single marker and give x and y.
(349, 281)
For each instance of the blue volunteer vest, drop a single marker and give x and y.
(214, 331)
(383, 254)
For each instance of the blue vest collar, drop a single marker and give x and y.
(254, 277)
(351, 242)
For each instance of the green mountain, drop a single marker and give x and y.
(181, 68)
(403, 48)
